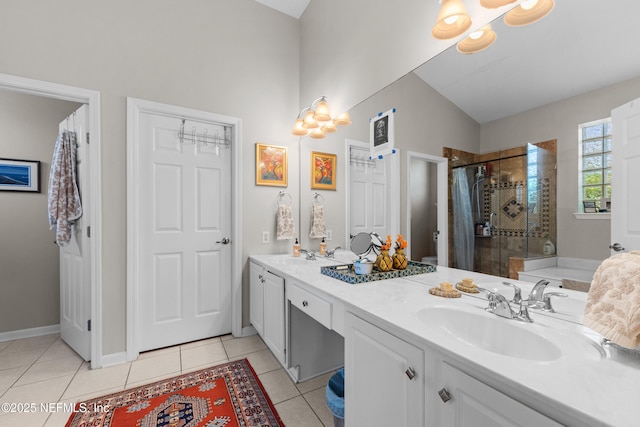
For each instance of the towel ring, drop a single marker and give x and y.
(281, 196)
(317, 196)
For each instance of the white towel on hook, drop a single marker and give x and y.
(286, 228)
(318, 226)
(64, 204)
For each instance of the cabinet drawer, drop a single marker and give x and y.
(308, 303)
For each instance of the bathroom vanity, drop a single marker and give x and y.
(414, 359)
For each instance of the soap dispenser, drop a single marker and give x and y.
(323, 247)
(296, 248)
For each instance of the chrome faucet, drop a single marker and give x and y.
(332, 252)
(536, 296)
(311, 256)
(500, 306)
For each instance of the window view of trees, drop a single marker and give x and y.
(596, 161)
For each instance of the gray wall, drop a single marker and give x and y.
(232, 57)
(587, 239)
(29, 259)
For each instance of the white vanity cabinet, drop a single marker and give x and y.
(466, 401)
(389, 381)
(384, 378)
(267, 308)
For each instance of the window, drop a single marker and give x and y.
(595, 162)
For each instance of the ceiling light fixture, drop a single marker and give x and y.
(528, 12)
(316, 121)
(477, 41)
(494, 4)
(453, 20)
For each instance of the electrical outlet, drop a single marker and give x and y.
(329, 235)
(265, 237)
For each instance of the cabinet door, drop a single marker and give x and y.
(274, 314)
(384, 381)
(474, 403)
(256, 297)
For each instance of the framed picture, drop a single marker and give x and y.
(589, 207)
(381, 134)
(20, 175)
(271, 165)
(323, 171)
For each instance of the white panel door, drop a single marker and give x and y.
(625, 203)
(75, 257)
(185, 213)
(369, 198)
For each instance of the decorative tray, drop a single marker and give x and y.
(346, 274)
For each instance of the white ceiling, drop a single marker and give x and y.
(293, 8)
(581, 46)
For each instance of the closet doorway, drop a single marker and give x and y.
(91, 98)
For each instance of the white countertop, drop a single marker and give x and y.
(583, 383)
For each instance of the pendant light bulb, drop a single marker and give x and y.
(309, 122)
(453, 20)
(322, 113)
(477, 41)
(528, 12)
(342, 120)
(299, 129)
(317, 134)
(494, 4)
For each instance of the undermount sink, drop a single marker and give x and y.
(292, 261)
(491, 333)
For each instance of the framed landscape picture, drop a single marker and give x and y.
(323, 171)
(271, 165)
(20, 175)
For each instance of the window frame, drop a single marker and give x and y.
(603, 167)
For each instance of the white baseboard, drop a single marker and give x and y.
(248, 331)
(114, 359)
(29, 333)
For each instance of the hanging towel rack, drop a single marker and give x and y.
(317, 196)
(203, 137)
(281, 196)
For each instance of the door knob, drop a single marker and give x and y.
(616, 247)
(224, 241)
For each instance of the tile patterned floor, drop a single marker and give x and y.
(45, 370)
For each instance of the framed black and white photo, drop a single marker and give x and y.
(20, 175)
(382, 131)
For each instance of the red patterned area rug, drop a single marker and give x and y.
(227, 395)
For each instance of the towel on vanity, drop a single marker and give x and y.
(613, 302)
(286, 229)
(318, 227)
(64, 205)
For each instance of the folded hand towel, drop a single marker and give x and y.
(318, 227)
(286, 229)
(613, 302)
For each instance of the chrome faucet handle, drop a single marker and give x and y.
(547, 300)
(332, 252)
(311, 256)
(517, 292)
(523, 314)
(499, 305)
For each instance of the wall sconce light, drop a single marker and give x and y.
(477, 41)
(528, 12)
(453, 20)
(316, 121)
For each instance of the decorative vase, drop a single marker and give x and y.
(399, 260)
(384, 261)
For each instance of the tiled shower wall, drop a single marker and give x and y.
(520, 228)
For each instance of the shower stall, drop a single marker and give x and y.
(503, 206)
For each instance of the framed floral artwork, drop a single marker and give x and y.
(271, 165)
(323, 171)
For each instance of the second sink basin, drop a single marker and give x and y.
(491, 333)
